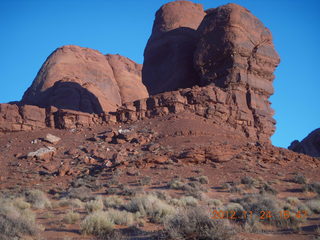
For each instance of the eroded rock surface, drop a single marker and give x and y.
(82, 79)
(310, 145)
(168, 56)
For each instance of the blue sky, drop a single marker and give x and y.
(31, 29)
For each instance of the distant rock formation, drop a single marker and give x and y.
(310, 145)
(85, 80)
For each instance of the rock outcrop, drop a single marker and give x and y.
(82, 79)
(168, 56)
(227, 51)
(231, 49)
(128, 76)
(310, 145)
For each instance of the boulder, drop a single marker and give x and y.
(52, 138)
(45, 153)
(168, 56)
(310, 145)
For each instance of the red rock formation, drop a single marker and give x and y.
(231, 49)
(310, 145)
(168, 56)
(82, 79)
(128, 76)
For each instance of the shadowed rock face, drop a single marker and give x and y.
(168, 56)
(82, 79)
(310, 145)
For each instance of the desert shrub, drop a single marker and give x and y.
(226, 186)
(112, 190)
(20, 203)
(214, 202)
(235, 189)
(120, 217)
(113, 202)
(71, 217)
(162, 195)
(16, 222)
(74, 203)
(97, 223)
(299, 178)
(253, 225)
(248, 181)
(234, 207)
(83, 193)
(266, 188)
(312, 187)
(314, 205)
(94, 205)
(150, 206)
(194, 223)
(176, 184)
(126, 191)
(144, 181)
(184, 201)
(38, 199)
(267, 203)
(201, 179)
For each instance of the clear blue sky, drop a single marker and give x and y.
(30, 30)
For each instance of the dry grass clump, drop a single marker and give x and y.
(299, 178)
(201, 179)
(267, 203)
(150, 206)
(38, 199)
(214, 203)
(144, 180)
(120, 217)
(184, 201)
(194, 223)
(73, 203)
(98, 224)
(314, 205)
(83, 193)
(113, 202)
(71, 217)
(249, 182)
(312, 187)
(16, 220)
(94, 205)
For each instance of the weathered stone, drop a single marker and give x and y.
(45, 153)
(52, 139)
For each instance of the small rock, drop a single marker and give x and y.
(45, 153)
(52, 139)
(160, 159)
